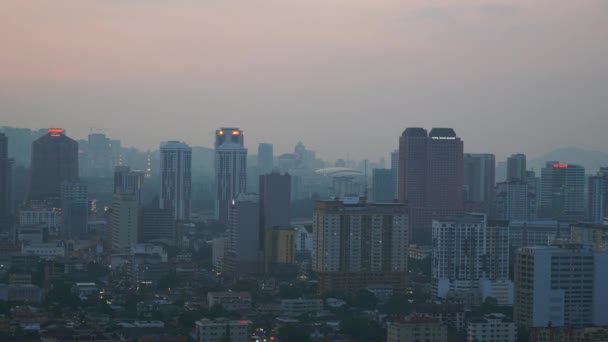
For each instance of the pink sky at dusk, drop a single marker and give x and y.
(510, 76)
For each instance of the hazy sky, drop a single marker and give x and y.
(343, 76)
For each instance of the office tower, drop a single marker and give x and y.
(562, 192)
(395, 171)
(357, 244)
(560, 286)
(6, 180)
(598, 196)
(243, 255)
(157, 224)
(54, 160)
(514, 201)
(127, 181)
(74, 208)
(430, 177)
(230, 169)
(100, 161)
(124, 221)
(279, 250)
(275, 195)
(383, 185)
(479, 179)
(466, 250)
(20, 147)
(176, 178)
(516, 168)
(265, 159)
(287, 162)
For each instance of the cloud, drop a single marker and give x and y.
(499, 9)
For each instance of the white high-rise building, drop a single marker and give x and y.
(124, 221)
(560, 286)
(230, 169)
(176, 178)
(466, 250)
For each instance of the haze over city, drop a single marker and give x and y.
(345, 77)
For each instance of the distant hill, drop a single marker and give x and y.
(590, 160)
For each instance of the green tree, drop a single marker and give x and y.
(293, 333)
(362, 329)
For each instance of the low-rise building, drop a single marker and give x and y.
(452, 315)
(21, 293)
(230, 300)
(84, 290)
(300, 306)
(590, 334)
(492, 328)
(416, 329)
(45, 250)
(221, 330)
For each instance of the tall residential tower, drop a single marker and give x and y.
(176, 178)
(230, 169)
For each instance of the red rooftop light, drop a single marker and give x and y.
(560, 166)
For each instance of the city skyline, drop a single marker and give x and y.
(474, 65)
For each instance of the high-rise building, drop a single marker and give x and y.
(479, 178)
(383, 185)
(74, 208)
(395, 171)
(127, 181)
(275, 195)
(54, 160)
(358, 244)
(560, 286)
(598, 196)
(430, 177)
(514, 201)
(100, 161)
(6, 182)
(562, 194)
(230, 169)
(467, 249)
(594, 235)
(156, 224)
(176, 178)
(265, 159)
(124, 221)
(279, 250)
(516, 168)
(242, 255)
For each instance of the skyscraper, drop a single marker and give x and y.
(275, 197)
(514, 201)
(124, 221)
(127, 181)
(176, 178)
(479, 175)
(99, 156)
(562, 194)
(383, 185)
(516, 168)
(430, 177)
(6, 197)
(54, 160)
(230, 169)
(598, 196)
(395, 171)
(356, 244)
(243, 255)
(265, 158)
(156, 224)
(74, 208)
